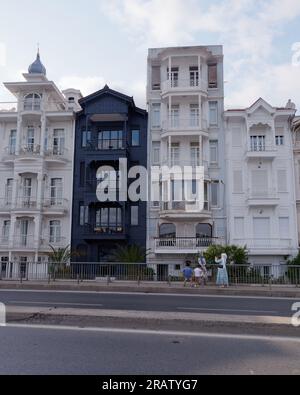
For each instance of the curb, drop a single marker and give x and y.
(144, 289)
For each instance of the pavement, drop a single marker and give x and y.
(157, 287)
(71, 351)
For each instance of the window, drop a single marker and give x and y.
(195, 154)
(258, 143)
(213, 76)
(261, 228)
(282, 180)
(155, 78)
(110, 140)
(279, 140)
(175, 154)
(215, 194)
(135, 138)
(83, 214)
(86, 139)
(237, 181)
(203, 231)
(156, 120)
(58, 141)
(167, 231)
(27, 188)
(239, 228)
(56, 191)
(259, 183)
(9, 190)
(5, 231)
(174, 117)
(55, 232)
(194, 115)
(30, 139)
(156, 153)
(82, 174)
(32, 102)
(109, 220)
(12, 142)
(284, 228)
(213, 146)
(237, 137)
(194, 76)
(173, 77)
(134, 215)
(213, 113)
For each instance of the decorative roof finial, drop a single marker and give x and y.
(37, 66)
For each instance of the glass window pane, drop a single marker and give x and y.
(135, 138)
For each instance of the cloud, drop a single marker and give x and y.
(247, 29)
(86, 85)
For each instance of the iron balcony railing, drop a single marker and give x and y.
(178, 123)
(183, 83)
(185, 243)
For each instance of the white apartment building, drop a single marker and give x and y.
(260, 182)
(36, 170)
(296, 141)
(185, 97)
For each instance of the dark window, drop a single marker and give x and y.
(110, 140)
(86, 139)
(167, 231)
(135, 138)
(203, 230)
(109, 220)
(83, 214)
(213, 76)
(82, 174)
(134, 215)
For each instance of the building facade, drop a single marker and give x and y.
(36, 166)
(260, 181)
(110, 129)
(296, 141)
(185, 96)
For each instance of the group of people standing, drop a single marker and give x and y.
(198, 277)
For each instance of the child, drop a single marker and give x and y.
(187, 273)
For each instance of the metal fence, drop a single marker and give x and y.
(141, 272)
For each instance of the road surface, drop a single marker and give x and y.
(66, 351)
(257, 306)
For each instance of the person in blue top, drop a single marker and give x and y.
(187, 273)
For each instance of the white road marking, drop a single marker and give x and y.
(56, 304)
(158, 333)
(149, 294)
(229, 310)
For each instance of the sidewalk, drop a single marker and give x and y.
(155, 288)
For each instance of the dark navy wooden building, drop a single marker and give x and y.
(108, 128)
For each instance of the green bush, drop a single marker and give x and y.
(236, 255)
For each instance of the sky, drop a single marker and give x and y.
(86, 44)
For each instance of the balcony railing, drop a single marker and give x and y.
(54, 203)
(56, 153)
(105, 145)
(197, 84)
(54, 241)
(30, 150)
(268, 193)
(104, 229)
(178, 123)
(192, 206)
(185, 243)
(187, 163)
(27, 203)
(261, 147)
(24, 241)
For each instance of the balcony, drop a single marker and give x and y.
(99, 232)
(266, 151)
(184, 86)
(184, 245)
(109, 150)
(55, 206)
(4, 242)
(26, 204)
(185, 210)
(188, 163)
(180, 126)
(56, 155)
(267, 197)
(269, 246)
(24, 242)
(48, 241)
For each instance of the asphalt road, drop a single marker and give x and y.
(144, 302)
(56, 351)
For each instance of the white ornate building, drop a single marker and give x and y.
(36, 170)
(260, 182)
(296, 141)
(185, 97)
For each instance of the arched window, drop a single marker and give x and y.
(32, 102)
(167, 231)
(203, 230)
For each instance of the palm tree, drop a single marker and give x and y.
(130, 254)
(60, 256)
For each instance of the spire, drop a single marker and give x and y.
(37, 66)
